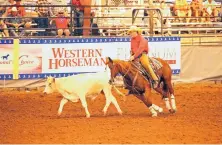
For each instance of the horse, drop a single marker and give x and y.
(140, 86)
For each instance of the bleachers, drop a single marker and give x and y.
(115, 20)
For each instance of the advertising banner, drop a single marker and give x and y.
(39, 58)
(6, 59)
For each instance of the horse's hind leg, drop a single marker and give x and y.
(165, 97)
(172, 97)
(163, 92)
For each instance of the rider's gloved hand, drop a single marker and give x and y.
(132, 58)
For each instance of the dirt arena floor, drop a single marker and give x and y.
(28, 117)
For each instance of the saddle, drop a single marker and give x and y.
(155, 64)
(129, 84)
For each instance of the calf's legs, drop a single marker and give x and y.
(84, 104)
(62, 103)
(110, 98)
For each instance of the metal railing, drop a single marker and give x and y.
(120, 30)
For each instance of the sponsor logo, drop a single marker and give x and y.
(5, 57)
(73, 58)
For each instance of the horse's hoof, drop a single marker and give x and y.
(172, 111)
(154, 115)
(160, 110)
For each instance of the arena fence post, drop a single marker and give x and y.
(15, 59)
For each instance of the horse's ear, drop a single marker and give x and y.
(110, 60)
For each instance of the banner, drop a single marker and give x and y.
(6, 59)
(39, 58)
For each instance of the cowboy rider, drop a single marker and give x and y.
(139, 49)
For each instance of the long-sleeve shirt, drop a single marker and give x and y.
(139, 45)
(78, 4)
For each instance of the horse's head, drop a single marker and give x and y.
(113, 66)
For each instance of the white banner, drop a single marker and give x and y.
(90, 57)
(39, 58)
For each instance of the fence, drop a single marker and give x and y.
(115, 20)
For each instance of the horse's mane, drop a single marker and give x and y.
(125, 65)
(122, 63)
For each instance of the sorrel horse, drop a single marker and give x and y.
(140, 86)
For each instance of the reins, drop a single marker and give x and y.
(135, 78)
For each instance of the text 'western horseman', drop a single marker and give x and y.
(75, 57)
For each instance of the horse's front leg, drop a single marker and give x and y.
(147, 100)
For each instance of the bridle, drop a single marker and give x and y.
(124, 75)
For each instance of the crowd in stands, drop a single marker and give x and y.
(197, 8)
(15, 20)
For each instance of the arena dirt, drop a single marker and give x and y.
(30, 117)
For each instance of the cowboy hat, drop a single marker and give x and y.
(134, 29)
(14, 9)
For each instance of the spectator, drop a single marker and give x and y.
(95, 10)
(4, 11)
(196, 8)
(56, 10)
(30, 11)
(21, 10)
(62, 24)
(2, 8)
(181, 9)
(43, 13)
(210, 9)
(14, 22)
(78, 16)
(3, 28)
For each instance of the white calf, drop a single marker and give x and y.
(81, 86)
